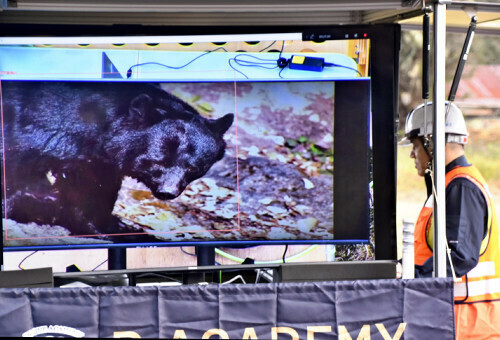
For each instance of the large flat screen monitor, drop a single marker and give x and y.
(233, 139)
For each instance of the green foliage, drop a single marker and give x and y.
(204, 108)
(410, 71)
(486, 157)
(358, 252)
(311, 151)
(485, 50)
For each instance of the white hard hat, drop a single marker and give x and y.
(454, 123)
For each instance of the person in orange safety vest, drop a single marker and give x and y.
(471, 225)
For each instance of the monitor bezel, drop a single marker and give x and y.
(384, 60)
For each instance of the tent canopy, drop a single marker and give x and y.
(459, 14)
(242, 12)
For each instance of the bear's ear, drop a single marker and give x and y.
(139, 106)
(221, 125)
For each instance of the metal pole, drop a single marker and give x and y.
(439, 139)
(408, 249)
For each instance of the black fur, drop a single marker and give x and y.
(68, 146)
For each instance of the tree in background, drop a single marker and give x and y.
(484, 51)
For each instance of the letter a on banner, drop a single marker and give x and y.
(215, 331)
(287, 330)
(249, 334)
(179, 334)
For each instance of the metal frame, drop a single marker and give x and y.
(201, 12)
(439, 139)
(275, 12)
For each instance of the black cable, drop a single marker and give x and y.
(160, 275)
(282, 62)
(25, 258)
(279, 74)
(103, 262)
(243, 60)
(282, 48)
(343, 66)
(129, 72)
(269, 64)
(265, 48)
(186, 252)
(284, 253)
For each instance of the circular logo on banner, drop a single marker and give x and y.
(54, 331)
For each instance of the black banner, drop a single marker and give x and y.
(372, 309)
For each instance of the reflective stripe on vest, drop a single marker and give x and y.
(477, 288)
(482, 283)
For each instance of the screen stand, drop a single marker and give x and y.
(1, 254)
(117, 258)
(205, 256)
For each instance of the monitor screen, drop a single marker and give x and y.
(258, 140)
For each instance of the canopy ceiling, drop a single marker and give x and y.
(199, 12)
(231, 12)
(459, 14)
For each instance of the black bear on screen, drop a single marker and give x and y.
(68, 145)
